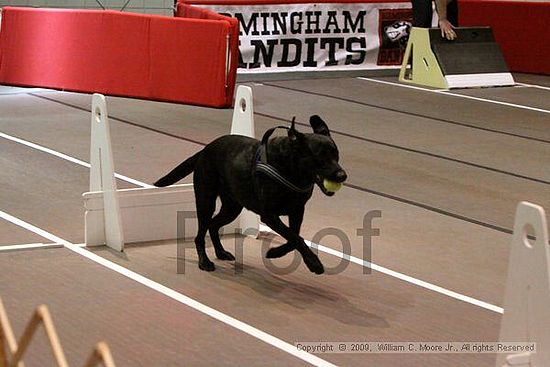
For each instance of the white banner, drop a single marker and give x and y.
(304, 37)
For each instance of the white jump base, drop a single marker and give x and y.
(148, 214)
(115, 217)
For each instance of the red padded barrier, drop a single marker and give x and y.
(520, 27)
(134, 55)
(194, 12)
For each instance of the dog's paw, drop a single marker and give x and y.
(207, 265)
(314, 265)
(279, 251)
(225, 255)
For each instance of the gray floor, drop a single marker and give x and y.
(446, 172)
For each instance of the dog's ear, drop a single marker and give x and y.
(319, 126)
(294, 134)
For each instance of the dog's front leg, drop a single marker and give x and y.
(310, 259)
(295, 222)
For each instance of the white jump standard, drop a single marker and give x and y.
(526, 315)
(114, 216)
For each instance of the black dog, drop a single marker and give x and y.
(272, 178)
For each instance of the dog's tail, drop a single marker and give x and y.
(181, 171)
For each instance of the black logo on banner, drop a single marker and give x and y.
(393, 30)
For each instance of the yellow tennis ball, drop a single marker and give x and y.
(331, 186)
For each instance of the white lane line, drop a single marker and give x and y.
(68, 158)
(409, 86)
(507, 104)
(29, 246)
(395, 274)
(407, 278)
(534, 86)
(448, 93)
(179, 297)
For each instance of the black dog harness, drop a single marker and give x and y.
(261, 164)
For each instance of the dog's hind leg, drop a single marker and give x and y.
(295, 223)
(229, 211)
(204, 216)
(205, 197)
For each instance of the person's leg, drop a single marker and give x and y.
(422, 13)
(452, 12)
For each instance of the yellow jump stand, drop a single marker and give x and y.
(420, 65)
(474, 59)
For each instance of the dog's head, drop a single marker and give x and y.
(318, 156)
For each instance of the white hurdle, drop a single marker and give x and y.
(526, 315)
(102, 178)
(243, 124)
(114, 217)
